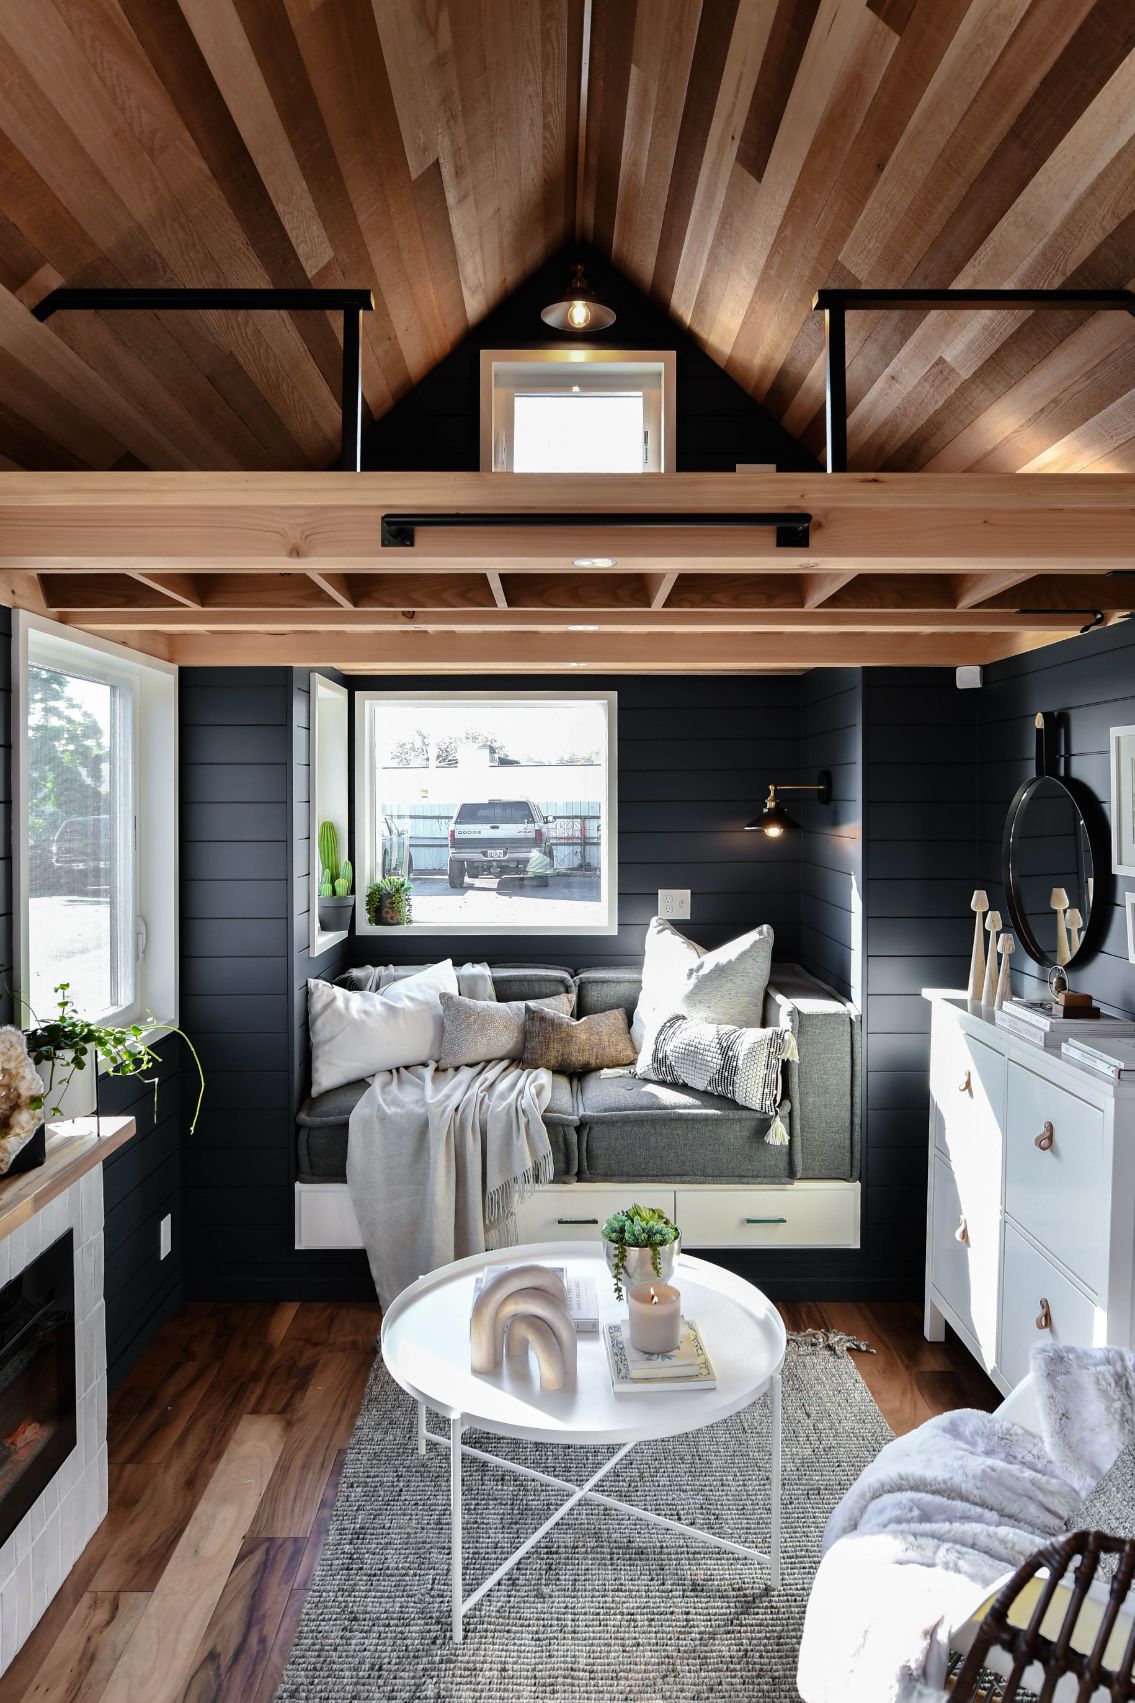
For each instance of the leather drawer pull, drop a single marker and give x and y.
(766, 1221)
(965, 1086)
(577, 1220)
(1044, 1317)
(1045, 1139)
(961, 1234)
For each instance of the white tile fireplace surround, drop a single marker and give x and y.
(36, 1209)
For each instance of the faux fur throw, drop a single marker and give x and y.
(738, 1064)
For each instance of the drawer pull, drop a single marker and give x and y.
(1044, 1317)
(1045, 1139)
(766, 1221)
(961, 1234)
(577, 1220)
(965, 1086)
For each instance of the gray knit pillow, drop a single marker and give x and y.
(474, 1031)
(717, 1058)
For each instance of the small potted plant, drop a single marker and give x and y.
(640, 1243)
(335, 900)
(390, 901)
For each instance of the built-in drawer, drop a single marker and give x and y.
(805, 1215)
(967, 1084)
(965, 1256)
(573, 1212)
(1055, 1186)
(1038, 1304)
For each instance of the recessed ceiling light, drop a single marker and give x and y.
(593, 629)
(576, 665)
(595, 562)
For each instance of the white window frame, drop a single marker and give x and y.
(651, 370)
(155, 804)
(368, 705)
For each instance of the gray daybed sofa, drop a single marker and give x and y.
(622, 1129)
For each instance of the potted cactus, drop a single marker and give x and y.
(390, 901)
(335, 900)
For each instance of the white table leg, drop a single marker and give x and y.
(421, 1428)
(775, 1416)
(455, 1427)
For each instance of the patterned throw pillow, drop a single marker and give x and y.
(724, 986)
(599, 1042)
(475, 1031)
(737, 1064)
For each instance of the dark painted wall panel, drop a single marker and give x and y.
(832, 842)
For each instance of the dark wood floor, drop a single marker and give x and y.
(226, 1442)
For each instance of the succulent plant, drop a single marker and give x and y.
(346, 875)
(390, 901)
(637, 1227)
(325, 887)
(334, 878)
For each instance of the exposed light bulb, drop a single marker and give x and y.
(773, 831)
(579, 316)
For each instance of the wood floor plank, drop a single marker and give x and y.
(157, 1661)
(281, 1649)
(235, 1645)
(313, 1548)
(151, 1432)
(322, 1426)
(88, 1648)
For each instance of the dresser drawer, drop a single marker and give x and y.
(1057, 1191)
(967, 1084)
(1029, 1280)
(964, 1272)
(575, 1212)
(805, 1215)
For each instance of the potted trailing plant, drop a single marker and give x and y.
(639, 1243)
(390, 901)
(56, 1050)
(335, 901)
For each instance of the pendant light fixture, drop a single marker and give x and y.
(581, 310)
(774, 820)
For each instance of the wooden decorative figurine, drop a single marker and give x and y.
(1075, 923)
(1059, 903)
(1005, 945)
(979, 904)
(993, 929)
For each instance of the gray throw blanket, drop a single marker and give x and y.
(438, 1161)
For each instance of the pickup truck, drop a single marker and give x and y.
(499, 836)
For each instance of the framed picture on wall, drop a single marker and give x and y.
(1123, 800)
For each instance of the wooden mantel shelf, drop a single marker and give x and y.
(73, 1148)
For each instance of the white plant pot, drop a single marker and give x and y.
(78, 1098)
(639, 1264)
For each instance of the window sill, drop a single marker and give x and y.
(325, 939)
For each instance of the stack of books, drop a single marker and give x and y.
(1113, 1059)
(1043, 1023)
(687, 1367)
(583, 1299)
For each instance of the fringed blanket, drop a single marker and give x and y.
(439, 1160)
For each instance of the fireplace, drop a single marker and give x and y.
(37, 1378)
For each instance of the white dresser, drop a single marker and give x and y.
(1031, 1200)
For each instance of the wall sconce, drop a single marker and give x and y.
(774, 820)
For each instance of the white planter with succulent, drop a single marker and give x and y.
(640, 1245)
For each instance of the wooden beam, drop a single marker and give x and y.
(1113, 593)
(658, 588)
(497, 588)
(971, 589)
(337, 586)
(181, 587)
(817, 588)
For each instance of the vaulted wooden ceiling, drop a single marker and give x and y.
(736, 156)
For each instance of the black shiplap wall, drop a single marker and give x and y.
(695, 758)
(7, 942)
(1089, 682)
(831, 876)
(436, 425)
(920, 852)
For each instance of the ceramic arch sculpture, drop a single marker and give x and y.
(525, 1331)
(486, 1339)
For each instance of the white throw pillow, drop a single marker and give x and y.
(724, 986)
(356, 1034)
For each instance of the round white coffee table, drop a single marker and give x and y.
(425, 1344)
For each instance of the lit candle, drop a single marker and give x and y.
(655, 1317)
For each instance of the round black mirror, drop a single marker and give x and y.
(1053, 870)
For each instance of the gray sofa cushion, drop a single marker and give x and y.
(632, 1130)
(606, 990)
(324, 1120)
(531, 981)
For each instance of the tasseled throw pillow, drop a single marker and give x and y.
(738, 1064)
(599, 1042)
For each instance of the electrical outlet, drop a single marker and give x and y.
(674, 903)
(165, 1236)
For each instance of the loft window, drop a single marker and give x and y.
(577, 411)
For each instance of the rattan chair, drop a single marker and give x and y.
(1030, 1628)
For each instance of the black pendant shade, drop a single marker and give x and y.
(580, 310)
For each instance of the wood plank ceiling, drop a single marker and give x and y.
(733, 156)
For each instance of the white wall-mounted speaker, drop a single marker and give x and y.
(968, 677)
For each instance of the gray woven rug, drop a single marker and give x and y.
(605, 1606)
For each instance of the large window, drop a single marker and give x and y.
(499, 808)
(577, 411)
(97, 820)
